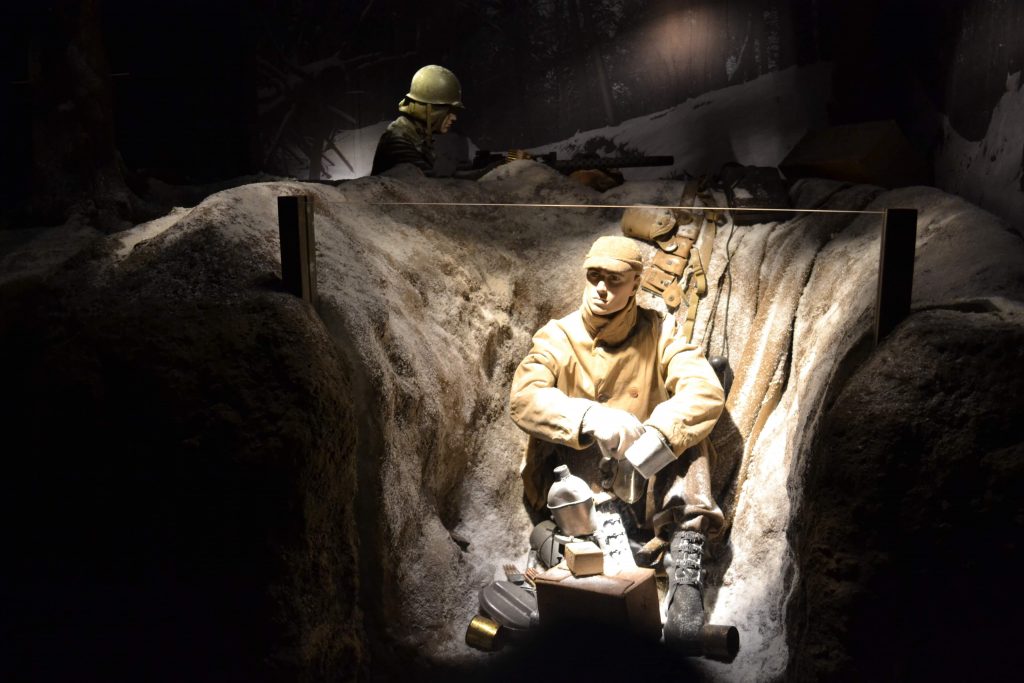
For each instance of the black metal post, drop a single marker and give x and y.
(298, 246)
(895, 270)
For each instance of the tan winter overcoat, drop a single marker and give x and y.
(656, 375)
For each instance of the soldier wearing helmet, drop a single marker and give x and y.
(430, 107)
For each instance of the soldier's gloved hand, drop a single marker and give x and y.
(650, 453)
(613, 429)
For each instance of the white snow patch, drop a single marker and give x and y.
(129, 239)
(358, 146)
(988, 172)
(754, 123)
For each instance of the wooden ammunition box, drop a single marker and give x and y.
(627, 600)
(584, 558)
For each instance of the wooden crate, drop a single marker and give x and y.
(628, 600)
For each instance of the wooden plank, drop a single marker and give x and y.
(298, 246)
(895, 270)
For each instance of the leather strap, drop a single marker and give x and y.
(684, 216)
(691, 314)
(700, 259)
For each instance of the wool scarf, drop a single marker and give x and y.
(611, 329)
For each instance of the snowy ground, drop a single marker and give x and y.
(755, 123)
(990, 172)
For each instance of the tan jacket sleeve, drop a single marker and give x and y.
(536, 403)
(695, 398)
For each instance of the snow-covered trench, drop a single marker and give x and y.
(792, 312)
(430, 308)
(795, 311)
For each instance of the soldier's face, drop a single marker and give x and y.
(608, 292)
(448, 121)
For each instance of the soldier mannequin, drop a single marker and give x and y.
(430, 107)
(615, 380)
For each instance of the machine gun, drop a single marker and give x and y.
(485, 159)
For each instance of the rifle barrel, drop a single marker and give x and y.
(594, 161)
(484, 157)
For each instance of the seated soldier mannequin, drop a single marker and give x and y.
(615, 383)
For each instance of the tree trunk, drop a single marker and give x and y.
(75, 164)
(594, 55)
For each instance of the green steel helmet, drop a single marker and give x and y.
(436, 85)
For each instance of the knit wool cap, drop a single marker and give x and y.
(614, 253)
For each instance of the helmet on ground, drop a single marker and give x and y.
(436, 85)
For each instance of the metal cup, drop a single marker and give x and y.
(629, 486)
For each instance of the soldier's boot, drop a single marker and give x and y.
(685, 618)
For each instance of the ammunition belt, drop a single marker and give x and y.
(677, 267)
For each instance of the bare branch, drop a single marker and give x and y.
(340, 155)
(366, 10)
(280, 131)
(345, 115)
